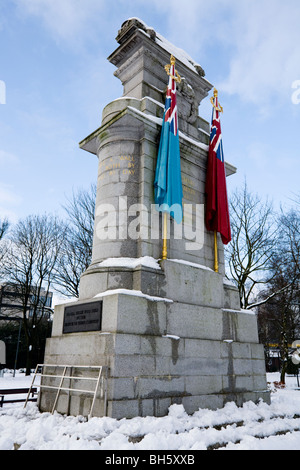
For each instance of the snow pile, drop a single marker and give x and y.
(189, 263)
(135, 293)
(252, 427)
(132, 263)
(179, 53)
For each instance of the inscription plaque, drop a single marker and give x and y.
(83, 317)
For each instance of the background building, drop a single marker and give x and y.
(12, 300)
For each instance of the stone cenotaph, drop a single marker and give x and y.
(165, 331)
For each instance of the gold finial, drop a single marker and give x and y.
(212, 100)
(177, 78)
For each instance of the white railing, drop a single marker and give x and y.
(100, 382)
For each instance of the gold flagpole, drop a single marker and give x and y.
(216, 252)
(220, 109)
(177, 79)
(165, 250)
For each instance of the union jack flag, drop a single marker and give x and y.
(171, 103)
(215, 135)
(217, 211)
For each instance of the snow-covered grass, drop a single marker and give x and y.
(252, 427)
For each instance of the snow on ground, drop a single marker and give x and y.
(252, 427)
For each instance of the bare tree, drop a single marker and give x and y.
(4, 226)
(81, 211)
(77, 248)
(253, 243)
(289, 240)
(72, 263)
(35, 245)
(279, 319)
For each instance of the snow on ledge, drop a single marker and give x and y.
(147, 261)
(189, 263)
(228, 282)
(135, 293)
(159, 121)
(249, 312)
(177, 338)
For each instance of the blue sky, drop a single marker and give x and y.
(53, 62)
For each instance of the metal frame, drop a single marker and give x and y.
(103, 371)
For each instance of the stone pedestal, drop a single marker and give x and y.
(171, 331)
(187, 346)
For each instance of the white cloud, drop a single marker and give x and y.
(67, 20)
(265, 57)
(7, 158)
(258, 38)
(193, 24)
(8, 201)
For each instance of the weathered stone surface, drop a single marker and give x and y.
(161, 352)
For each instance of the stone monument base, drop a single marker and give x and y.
(184, 340)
